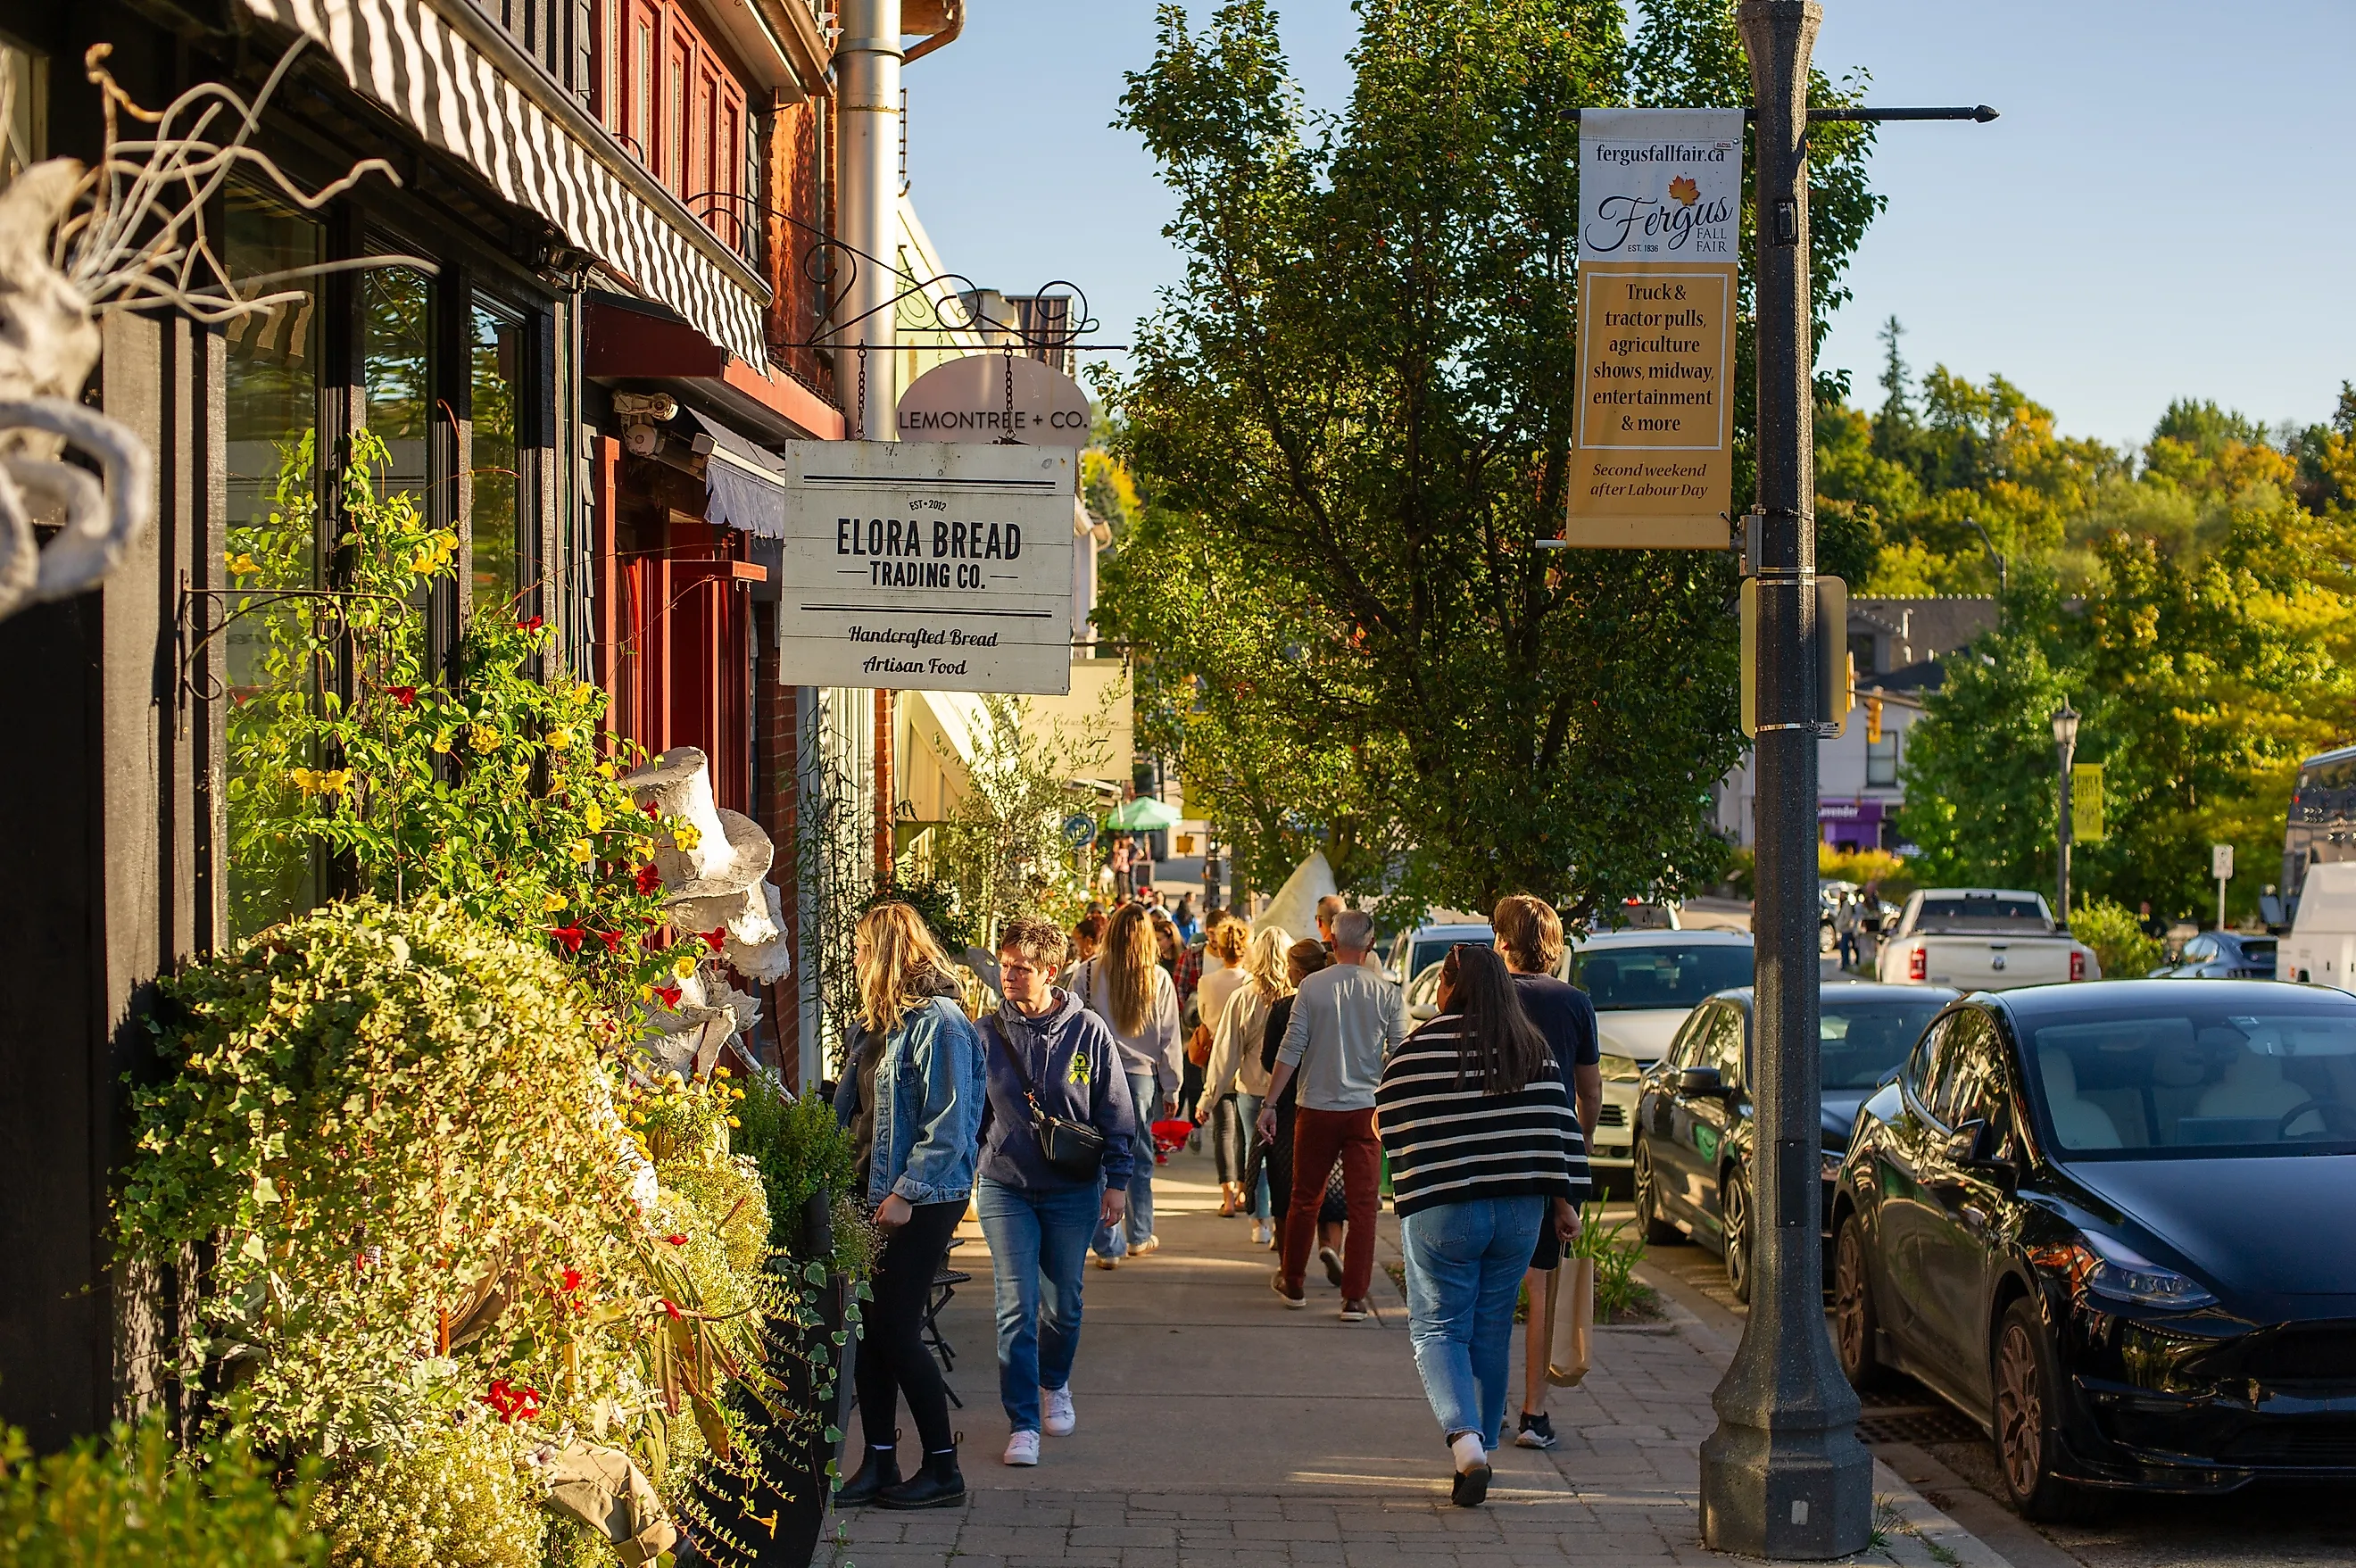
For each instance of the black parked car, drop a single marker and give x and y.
(2116, 1225)
(1693, 1109)
(2222, 955)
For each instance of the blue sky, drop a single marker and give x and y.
(2168, 207)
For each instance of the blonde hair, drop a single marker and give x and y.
(1265, 963)
(902, 967)
(1226, 941)
(1530, 931)
(1127, 961)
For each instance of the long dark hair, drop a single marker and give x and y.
(1497, 1037)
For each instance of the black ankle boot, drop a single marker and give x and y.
(937, 1485)
(881, 1469)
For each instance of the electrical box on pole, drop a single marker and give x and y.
(1836, 682)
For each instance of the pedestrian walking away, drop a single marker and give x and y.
(1528, 936)
(1235, 1083)
(1222, 975)
(1050, 1059)
(926, 1092)
(1346, 1021)
(1134, 996)
(1301, 960)
(1484, 1152)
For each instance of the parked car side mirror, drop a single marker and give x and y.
(1702, 1083)
(1978, 1147)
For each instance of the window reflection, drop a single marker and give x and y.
(397, 342)
(497, 356)
(273, 397)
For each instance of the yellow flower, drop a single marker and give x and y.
(522, 771)
(243, 563)
(584, 852)
(551, 902)
(482, 737)
(558, 739)
(733, 1123)
(424, 561)
(720, 1072)
(605, 770)
(642, 851)
(683, 966)
(592, 818)
(442, 741)
(686, 835)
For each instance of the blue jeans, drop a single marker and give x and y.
(1255, 1174)
(1138, 1224)
(1038, 1247)
(1464, 1268)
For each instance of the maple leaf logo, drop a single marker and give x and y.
(1684, 189)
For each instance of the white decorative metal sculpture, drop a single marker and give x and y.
(714, 868)
(128, 234)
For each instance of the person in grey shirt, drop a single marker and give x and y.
(1345, 1022)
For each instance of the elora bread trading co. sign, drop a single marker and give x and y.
(933, 566)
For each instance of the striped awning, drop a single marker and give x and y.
(420, 66)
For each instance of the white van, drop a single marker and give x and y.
(2321, 947)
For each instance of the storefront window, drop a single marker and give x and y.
(397, 345)
(497, 357)
(273, 397)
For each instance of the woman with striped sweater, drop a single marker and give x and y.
(1484, 1150)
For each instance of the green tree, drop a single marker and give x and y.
(1352, 417)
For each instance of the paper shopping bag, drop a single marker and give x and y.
(1570, 1321)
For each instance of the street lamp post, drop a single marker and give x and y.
(2065, 745)
(1783, 1476)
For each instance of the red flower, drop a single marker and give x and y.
(568, 936)
(676, 1241)
(513, 1402)
(613, 940)
(649, 880)
(572, 1280)
(653, 811)
(672, 1310)
(531, 625)
(715, 939)
(669, 994)
(406, 695)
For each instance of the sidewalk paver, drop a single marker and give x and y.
(1218, 1429)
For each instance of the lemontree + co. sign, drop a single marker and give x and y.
(966, 400)
(929, 565)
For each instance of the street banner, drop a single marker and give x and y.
(1660, 217)
(2086, 824)
(928, 567)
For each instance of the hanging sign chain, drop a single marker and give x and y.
(860, 417)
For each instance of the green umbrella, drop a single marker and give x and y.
(1142, 815)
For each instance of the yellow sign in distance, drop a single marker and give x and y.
(2086, 825)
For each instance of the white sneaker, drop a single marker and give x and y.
(1023, 1449)
(1146, 1248)
(1061, 1417)
(1261, 1234)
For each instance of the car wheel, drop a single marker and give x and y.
(1734, 1211)
(1658, 1232)
(2027, 1411)
(1854, 1321)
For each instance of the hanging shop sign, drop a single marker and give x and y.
(1660, 211)
(928, 567)
(990, 397)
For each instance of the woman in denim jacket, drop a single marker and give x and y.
(928, 1095)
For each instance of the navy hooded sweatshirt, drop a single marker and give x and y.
(1075, 1066)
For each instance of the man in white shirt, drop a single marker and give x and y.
(1345, 1022)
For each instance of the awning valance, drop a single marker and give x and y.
(745, 486)
(437, 73)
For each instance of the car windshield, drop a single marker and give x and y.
(1672, 974)
(2257, 947)
(1860, 1042)
(1992, 913)
(1431, 949)
(2200, 1080)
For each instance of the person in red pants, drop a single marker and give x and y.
(1345, 1022)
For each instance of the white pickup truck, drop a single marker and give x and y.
(1982, 939)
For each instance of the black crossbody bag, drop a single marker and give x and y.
(1073, 1149)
